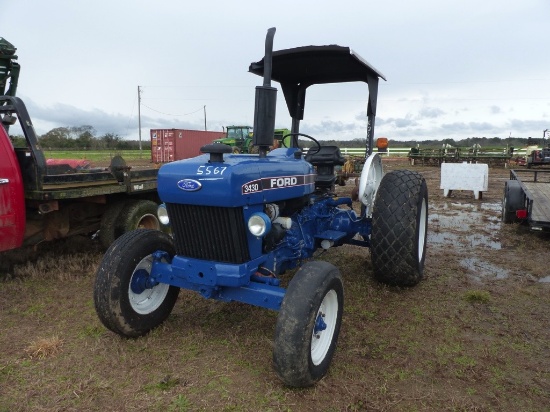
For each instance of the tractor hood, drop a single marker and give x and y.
(237, 181)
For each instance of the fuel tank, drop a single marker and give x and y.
(238, 180)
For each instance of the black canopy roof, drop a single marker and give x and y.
(316, 65)
(298, 68)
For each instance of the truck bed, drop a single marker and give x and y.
(539, 193)
(536, 185)
(78, 185)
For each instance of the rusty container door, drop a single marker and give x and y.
(163, 145)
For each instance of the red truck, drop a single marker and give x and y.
(42, 200)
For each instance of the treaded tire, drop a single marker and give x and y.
(512, 200)
(299, 358)
(107, 227)
(399, 228)
(117, 306)
(137, 214)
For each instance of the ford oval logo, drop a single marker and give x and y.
(189, 185)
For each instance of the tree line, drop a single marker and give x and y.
(85, 138)
(516, 142)
(81, 138)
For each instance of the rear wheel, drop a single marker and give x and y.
(512, 200)
(108, 223)
(127, 300)
(308, 324)
(137, 214)
(399, 228)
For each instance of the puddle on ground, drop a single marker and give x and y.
(484, 270)
(465, 224)
(545, 279)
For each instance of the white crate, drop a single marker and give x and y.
(464, 176)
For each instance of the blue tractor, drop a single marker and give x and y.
(239, 221)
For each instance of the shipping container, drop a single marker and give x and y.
(168, 145)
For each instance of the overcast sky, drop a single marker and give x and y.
(455, 69)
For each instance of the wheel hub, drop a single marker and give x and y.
(320, 325)
(139, 281)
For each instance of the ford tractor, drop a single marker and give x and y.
(239, 221)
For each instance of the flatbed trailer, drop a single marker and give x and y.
(527, 198)
(41, 200)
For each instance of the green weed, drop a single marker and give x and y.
(479, 296)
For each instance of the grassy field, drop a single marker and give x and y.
(97, 155)
(474, 335)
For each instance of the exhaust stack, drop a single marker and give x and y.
(266, 102)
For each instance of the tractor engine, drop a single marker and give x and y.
(278, 212)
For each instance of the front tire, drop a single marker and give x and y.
(122, 303)
(399, 228)
(308, 324)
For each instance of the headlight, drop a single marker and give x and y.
(162, 213)
(259, 224)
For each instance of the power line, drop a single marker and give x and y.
(169, 114)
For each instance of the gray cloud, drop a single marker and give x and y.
(431, 112)
(63, 115)
(495, 109)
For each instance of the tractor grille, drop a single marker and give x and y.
(209, 232)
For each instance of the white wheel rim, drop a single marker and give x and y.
(321, 341)
(150, 299)
(422, 229)
(370, 179)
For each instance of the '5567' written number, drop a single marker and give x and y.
(211, 170)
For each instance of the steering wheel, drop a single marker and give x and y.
(295, 138)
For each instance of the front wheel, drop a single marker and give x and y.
(125, 299)
(399, 228)
(308, 324)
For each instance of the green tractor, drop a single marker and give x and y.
(240, 139)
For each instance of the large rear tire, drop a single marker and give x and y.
(107, 227)
(124, 301)
(308, 324)
(399, 228)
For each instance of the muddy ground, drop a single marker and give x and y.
(474, 335)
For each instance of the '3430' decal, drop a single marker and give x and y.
(279, 182)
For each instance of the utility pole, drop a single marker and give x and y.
(139, 117)
(204, 108)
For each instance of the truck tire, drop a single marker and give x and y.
(108, 223)
(308, 324)
(122, 301)
(399, 228)
(512, 200)
(137, 214)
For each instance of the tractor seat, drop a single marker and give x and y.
(326, 155)
(324, 161)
